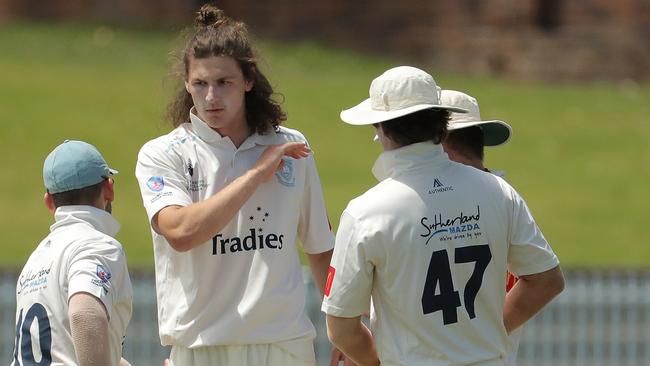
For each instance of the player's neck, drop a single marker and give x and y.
(474, 162)
(237, 133)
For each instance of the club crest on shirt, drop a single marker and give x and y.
(103, 274)
(103, 278)
(285, 175)
(156, 183)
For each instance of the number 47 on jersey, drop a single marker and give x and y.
(439, 276)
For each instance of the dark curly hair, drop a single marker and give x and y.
(217, 35)
(425, 125)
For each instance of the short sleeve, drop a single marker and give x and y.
(529, 252)
(99, 269)
(161, 177)
(314, 229)
(350, 279)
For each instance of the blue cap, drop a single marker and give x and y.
(74, 165)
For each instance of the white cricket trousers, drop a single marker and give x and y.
(242, 355)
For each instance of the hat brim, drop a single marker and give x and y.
(495, 132)
(363, 114)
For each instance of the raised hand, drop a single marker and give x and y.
(271, 159)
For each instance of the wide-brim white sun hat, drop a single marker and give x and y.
(495, 132)
(395, 93)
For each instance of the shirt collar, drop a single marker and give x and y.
(392, 162)
(204, 131)
(211, 136)
(98, 219)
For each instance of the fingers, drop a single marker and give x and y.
(336, 356)
(348, 362)
(296, 150)
(271, 159)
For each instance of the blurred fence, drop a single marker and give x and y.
(601, 319)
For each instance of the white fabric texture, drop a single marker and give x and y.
(246, 285)
(239, 355)
(79, 255)
(431, 243)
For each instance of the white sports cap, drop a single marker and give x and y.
(395, 93)
(495, 132)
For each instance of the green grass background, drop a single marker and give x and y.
(580, 154)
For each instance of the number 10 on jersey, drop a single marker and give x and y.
(439, 276)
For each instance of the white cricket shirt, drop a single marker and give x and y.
(431, 243)
(244, 286)
(79, 255)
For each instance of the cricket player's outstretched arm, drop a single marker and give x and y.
(529, 295)
(353, 338)
(186, 227)
(89, 328)
(319, 265)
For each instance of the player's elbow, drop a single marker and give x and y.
(180, 233)
(181, 241)
(335, 336)
(556, 282)
(547, 284)
(339, 330)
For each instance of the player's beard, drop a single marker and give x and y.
(108, 208)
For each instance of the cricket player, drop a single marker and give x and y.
(465, 142)
(228, 194)
(431, 244)
(74, 293)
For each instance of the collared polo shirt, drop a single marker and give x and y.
(431, 243)
(244, 286)
(79, 255)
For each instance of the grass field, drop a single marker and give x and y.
(580, 154)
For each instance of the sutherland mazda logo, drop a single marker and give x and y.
(457, 224)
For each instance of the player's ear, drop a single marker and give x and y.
(109, 189)
(49, 202)
(248, 85)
